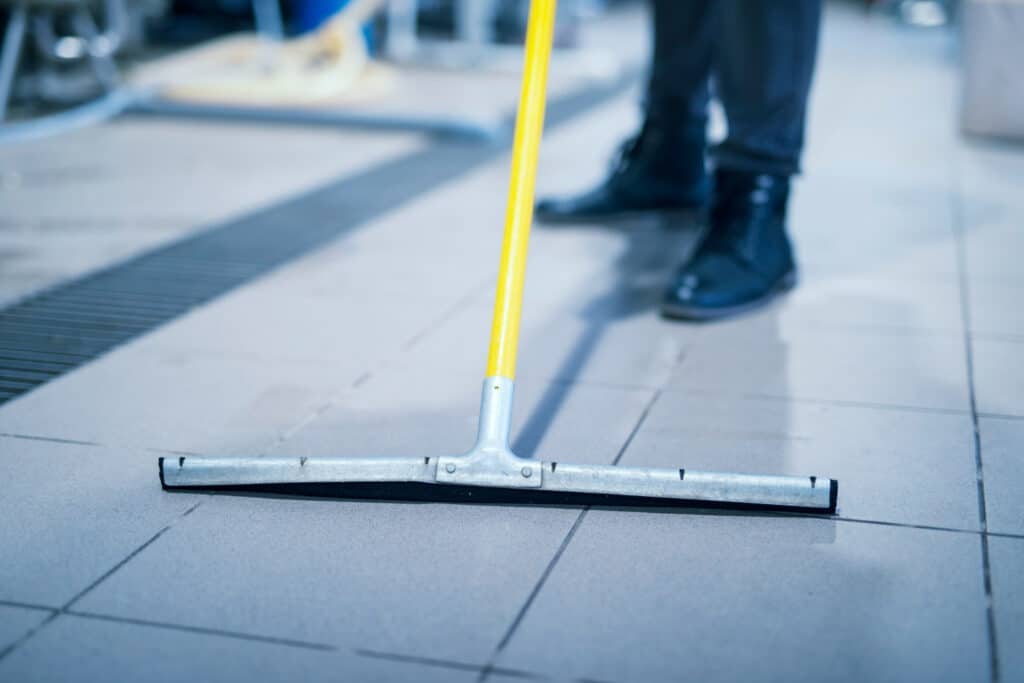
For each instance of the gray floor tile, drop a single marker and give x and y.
(634, 351)
(166, 169)
(141, 396)
(668, 597)
(80, 510)
(440, 581)
(15, 622)
(999, 376)
(1007, 563)
(1002, 453)
(996, 310)
(396, 414)
(896, 232)
(367, 263)
(991, 208)
(354, 556)
(991, 243)
(580, 323)
(899, 466)
(85, 649)
(758, 357)
(990, 173)
(867, 300)
(354, 331)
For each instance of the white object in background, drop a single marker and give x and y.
(993, 67)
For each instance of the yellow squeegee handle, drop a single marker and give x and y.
(519, 216)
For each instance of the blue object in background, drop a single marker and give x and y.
(309, 14)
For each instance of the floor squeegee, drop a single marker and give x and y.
(490, 471)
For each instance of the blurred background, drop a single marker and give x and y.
(61, 53)
(434, 67)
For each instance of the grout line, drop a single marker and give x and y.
(313, 415)
(818, 401)
(52, 439)
(444, 664)
(489, 668)
(958, 225)
(29, 634)
(1002, 337)
(565, 380)
(879, 522)
(824, 326)
(236, 635)
(64, 609)
(461, 304)
(362, 379)
(623, 386)
(106, 575)
(167, 451)
(28, 605)
(639, 423)
(1001, 416)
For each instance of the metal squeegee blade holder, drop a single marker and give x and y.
(491, 464)
(490, 470)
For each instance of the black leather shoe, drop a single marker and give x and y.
(745, 258)
(660, 170)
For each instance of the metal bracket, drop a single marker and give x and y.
(491, 462)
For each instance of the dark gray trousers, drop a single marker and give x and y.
(757, 55)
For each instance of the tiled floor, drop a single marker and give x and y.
(896, 367)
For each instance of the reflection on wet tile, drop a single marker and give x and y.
(885, 368)
(668, 597)
(899, 466)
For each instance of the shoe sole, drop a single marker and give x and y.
(680, 312)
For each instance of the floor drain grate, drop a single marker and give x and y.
(57, 330)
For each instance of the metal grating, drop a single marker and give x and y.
(59, 329)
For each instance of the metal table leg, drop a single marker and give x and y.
(13, 38)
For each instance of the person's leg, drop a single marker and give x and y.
(764, 61)
(683, 32)
(662, 168)
(763, 68)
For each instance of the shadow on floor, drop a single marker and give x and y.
(653, 250)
